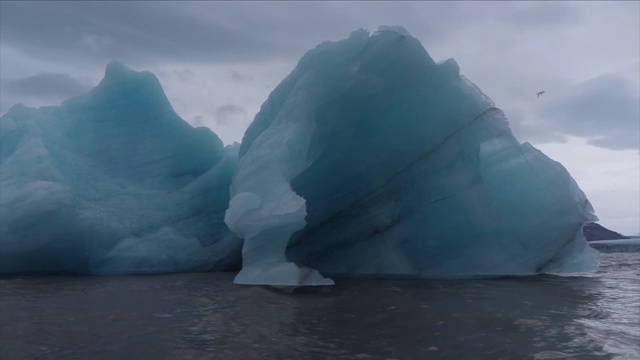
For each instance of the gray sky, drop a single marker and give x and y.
(218, 61)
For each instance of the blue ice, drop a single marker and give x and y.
(370, 159)
(113, 182)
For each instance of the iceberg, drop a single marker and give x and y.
(113, 182)
(370, 159)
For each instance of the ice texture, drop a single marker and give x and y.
(371, 159)
(113, 182)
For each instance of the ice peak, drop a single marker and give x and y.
(396, 29)
(120, 75)
(17, 110)
(121, 85)
(115, 68)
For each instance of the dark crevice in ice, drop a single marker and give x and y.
(397, 174)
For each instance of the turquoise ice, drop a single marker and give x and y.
(371, 159)
(113, 182)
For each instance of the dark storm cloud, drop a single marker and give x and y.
(131, 31)
(46, 85)
(604, 110)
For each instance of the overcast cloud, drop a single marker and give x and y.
(218, 61)
(604, 110)
(47, 84)
(510, 49)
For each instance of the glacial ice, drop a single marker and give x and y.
(113, 182)
(370, 159)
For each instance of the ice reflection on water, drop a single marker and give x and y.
(205, 316)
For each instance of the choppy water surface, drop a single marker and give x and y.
(205, 316)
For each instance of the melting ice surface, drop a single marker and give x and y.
(113, 182)
(370, 159)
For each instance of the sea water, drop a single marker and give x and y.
(206, 316)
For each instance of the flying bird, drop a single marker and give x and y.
(540, 93)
